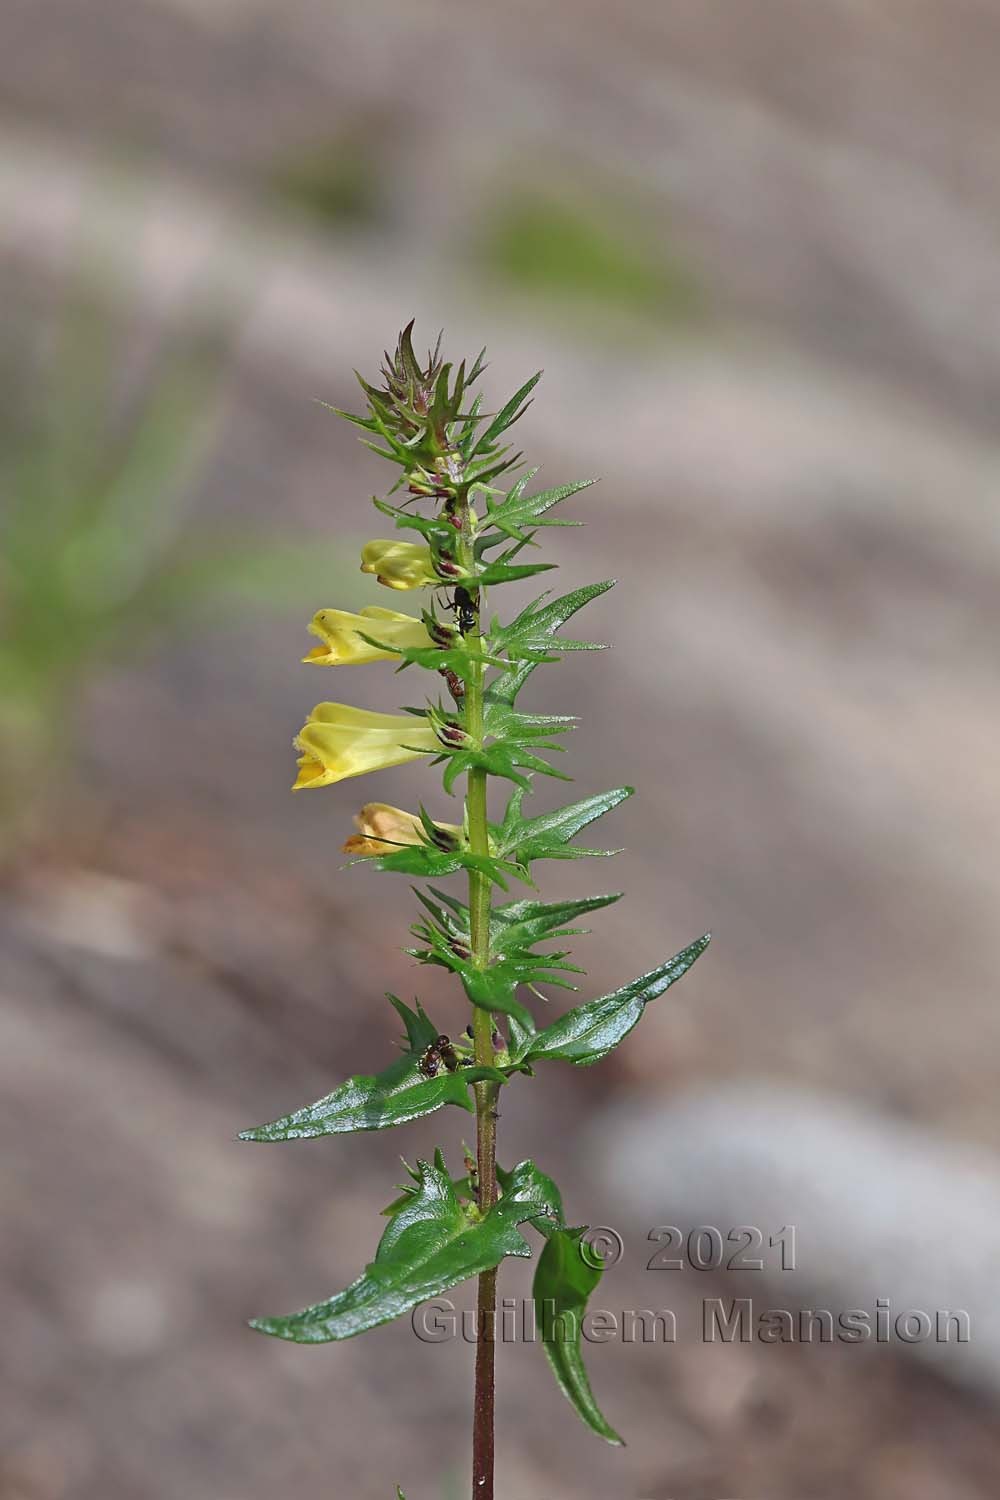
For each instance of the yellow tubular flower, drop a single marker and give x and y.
(338, 630)
(382, 828)
(399, 565)
(338, 741)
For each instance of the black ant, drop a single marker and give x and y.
(465, 611)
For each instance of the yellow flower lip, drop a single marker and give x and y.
(399, 565)
(338, 741)
(338, 631)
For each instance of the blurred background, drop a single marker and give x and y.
(756, 251)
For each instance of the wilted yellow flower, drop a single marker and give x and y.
(338, 630)
(382, 828)
(399, 565)
(338, 741)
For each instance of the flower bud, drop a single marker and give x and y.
(399, 565)
(382, 828)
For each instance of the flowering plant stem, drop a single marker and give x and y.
(444, 1230)
(484, 1405)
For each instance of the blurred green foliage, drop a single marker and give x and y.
(338, 182)
(100, 466)
(584, 249)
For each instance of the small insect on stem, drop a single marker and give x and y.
(466, 612)
(455, 684)
(440, 1051)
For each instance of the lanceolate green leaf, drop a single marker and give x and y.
(589, 1032)
(399, 1093)
(430, 1245)
(520, 510)
(506, 417)
(409, 520)
(532, 635)
(547, 836)
(521, 924)
(564, 1281)
(503, 571)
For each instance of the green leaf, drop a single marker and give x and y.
(498, 703)
(447, 941)
(519, 510)
(526, 1184)
(431, 658)
(463, 1185)
(399, 1093)
(506, 417)
(563, 1283)
(430, 1245)
(532, 635)
(511, 739)
(514, 930)
(522, 1031)
(441, 537)
(523, 1184)
(409, 520)
(425, 862)
(589, 1032)
(495, 992)
(509, 759)
(502, 571)
(547, 835)
(520, 924)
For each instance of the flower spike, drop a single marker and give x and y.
(470, 534)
